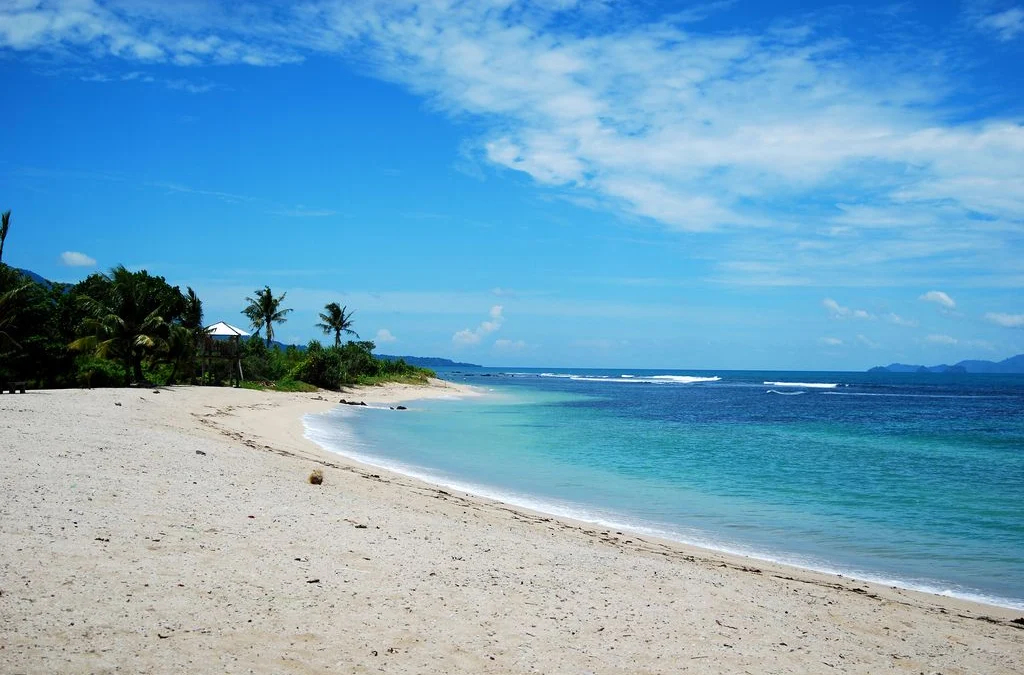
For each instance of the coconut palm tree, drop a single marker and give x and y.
(127, 324)
(192, 310)
(186, 339)
(336, 320)
(7, 316)
(5, 224)
(264, 311)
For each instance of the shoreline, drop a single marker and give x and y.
(201, 494)
(995, 604)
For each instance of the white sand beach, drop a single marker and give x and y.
(176, 531)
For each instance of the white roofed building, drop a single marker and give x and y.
(224, 329)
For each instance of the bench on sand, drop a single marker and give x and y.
(13, 387)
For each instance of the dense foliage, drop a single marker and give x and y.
(131, 327)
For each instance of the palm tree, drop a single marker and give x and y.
(192, 310)
(5, 224)
(128, 324)
(186, 339)
(337, 321)
(7, 315)
(265, 310)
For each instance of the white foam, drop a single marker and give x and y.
(785, 393)
(806, 385)
(654, 379)
(685, 379)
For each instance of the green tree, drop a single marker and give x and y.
(264, 311)
(131, 321)
(8, 317)
(336, 320)
(192, 310)
(5, 225)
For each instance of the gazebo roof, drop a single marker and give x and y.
(222, 329)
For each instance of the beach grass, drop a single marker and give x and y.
(284, 384)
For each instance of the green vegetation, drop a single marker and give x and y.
(337, 321)
(125, 328)
(264, 311)
(5, 225)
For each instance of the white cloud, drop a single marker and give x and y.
(941, 339)
(899, 320)
(838, 311)
(831, 341)
(767, 130)
(1006, 25)
(127, 31)
(384, 336)
(1006, 320)
(939, 298)
(467, 337)
(868, 342)
(76, 259)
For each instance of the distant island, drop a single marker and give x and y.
(1011, 366)
(429, 361)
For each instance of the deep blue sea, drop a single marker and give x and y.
(914, 480)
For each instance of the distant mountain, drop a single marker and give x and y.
(35, 277)
(428, 361)
(1011, 366)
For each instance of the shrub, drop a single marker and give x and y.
(91, 371)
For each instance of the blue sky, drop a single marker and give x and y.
(516, 183)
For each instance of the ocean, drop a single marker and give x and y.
(912, 480)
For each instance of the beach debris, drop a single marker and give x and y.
(156, 391)
(360, 526)
(200, 452)
(400, 407)
(1019, 622)
(316, 477)
(101, 539)
(118, 404)
(312, 581)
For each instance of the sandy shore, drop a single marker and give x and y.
(176, 531)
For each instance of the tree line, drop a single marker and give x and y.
(125, 327)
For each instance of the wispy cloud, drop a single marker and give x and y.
(838, 311)
(831, 341)
(868, 342)
(76, 259)
(299, 211)
(146, 32)
(942, 340)
(899, 320)
(939, 298)
(187, 189)
(1006, 320)
(1004, 24)
(852, 156)
(303, 212)
(504, 345)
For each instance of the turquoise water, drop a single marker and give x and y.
(912, 480)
